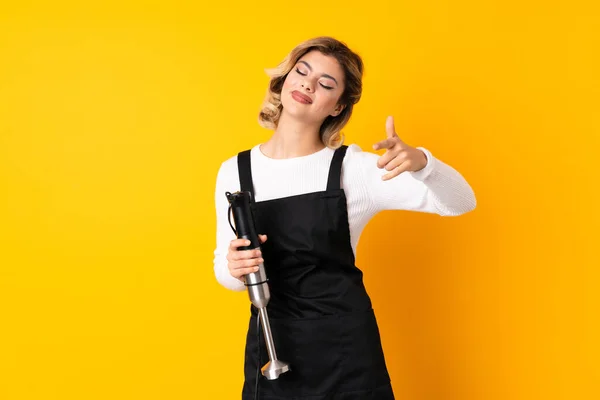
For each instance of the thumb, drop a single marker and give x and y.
(262, 238)
(390, 129)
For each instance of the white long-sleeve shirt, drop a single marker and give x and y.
(437, 188)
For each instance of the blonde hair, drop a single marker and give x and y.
(352, 65)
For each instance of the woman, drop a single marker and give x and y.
(313, 197)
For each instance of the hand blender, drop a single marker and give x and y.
(256, 282)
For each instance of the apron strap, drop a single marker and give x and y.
(335, 168)
(245, 173)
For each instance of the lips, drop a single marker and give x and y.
(302, 98)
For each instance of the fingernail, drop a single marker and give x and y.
(261, 260)
(247, 242)
(256, 268)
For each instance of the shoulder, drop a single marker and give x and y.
(356, 157)
(230, 165)
(228, 168)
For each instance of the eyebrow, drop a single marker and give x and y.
(324, 75)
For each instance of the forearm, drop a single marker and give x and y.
(225, 182)
(447, 192)
(437, 188)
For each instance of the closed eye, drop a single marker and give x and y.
(325, 87)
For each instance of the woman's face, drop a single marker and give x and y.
(312, 89)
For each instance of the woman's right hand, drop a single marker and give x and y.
(243, 262)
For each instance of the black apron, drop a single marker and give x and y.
(321, 317)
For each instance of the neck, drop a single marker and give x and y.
(293, 138)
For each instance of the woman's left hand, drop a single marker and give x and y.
(398, 157)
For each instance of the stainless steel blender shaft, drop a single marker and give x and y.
(259, 293)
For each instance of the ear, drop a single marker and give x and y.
(338, 109)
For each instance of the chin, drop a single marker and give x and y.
(296, 110)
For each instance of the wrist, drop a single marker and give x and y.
(428, 167)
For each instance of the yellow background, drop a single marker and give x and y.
(114, 119)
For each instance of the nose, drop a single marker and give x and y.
(307, 85)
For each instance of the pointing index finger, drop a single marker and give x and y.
(384, 144)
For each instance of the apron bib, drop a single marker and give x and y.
(321, 316)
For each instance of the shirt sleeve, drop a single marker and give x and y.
(227, 181)
(437, 188)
